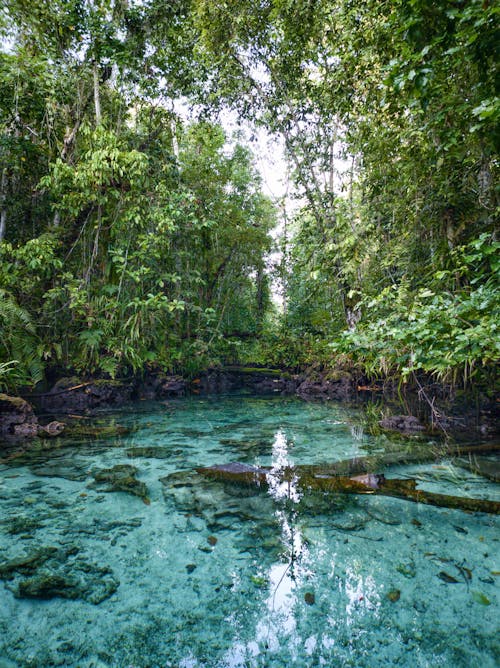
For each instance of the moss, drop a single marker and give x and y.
(327, 479)
(338, 375)
(26, 565)
(17, 403)
(121, 478)
(108, 383)
(87, 431)
(260, 371)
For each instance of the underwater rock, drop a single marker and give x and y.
(155, 452)
(309, 598)
(17, 419)
(394, 595)
(45, 586)
(22, 524)
(97, 432)
(85, 581)
(50, 572)
(121, 478)
(249, 446)
(26, 565)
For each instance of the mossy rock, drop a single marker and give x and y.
(121, 478)
(153, 452)
(338, 376)
(258, 371)
(26, 565)
(17, 419)
(88, 431)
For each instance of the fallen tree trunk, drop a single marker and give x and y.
(373, 463)
(356, 465)
(307, 478)
(482, 466)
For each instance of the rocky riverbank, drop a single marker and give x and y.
(419, 412)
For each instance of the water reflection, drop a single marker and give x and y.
(225, 575)
(282, 482)
(292, 581)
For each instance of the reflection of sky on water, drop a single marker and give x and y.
(278, 487)
(361, 592)
(353, 594)
(293, 578)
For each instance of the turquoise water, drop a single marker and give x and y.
(211, 574)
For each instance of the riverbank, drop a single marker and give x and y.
(420, 407)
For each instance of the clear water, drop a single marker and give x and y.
(216, 576)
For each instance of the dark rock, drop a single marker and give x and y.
(309, 598)
(17, 419)
(406, 424)
(218, 382)
(254, 379)
(81, 580)
(162, 386)
(45, 586)
(337, 384)
(394, 595)
(73, 394)
(22, 524)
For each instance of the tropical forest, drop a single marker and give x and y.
(249, 333)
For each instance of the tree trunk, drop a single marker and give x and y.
(342, 477)
(3, 207)
(97, 95)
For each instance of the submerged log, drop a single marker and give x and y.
(347, 467)
(307, 478)
(482, 466)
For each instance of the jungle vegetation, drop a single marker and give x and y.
(134, 236)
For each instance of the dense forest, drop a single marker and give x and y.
(135, 236)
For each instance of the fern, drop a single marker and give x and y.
(19, 345)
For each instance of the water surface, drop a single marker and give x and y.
(215, 575)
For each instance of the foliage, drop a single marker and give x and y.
(450, 334)
(130, 237)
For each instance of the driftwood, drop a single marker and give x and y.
(342, 477)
